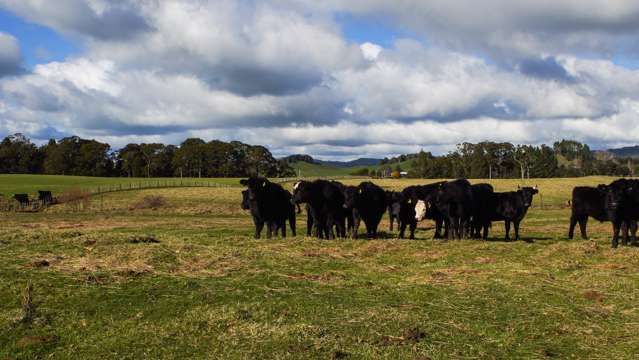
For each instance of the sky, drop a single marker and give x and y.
(333, 79)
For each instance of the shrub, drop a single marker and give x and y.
(149, 202)
(76, 199)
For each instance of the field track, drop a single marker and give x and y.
(187, 280)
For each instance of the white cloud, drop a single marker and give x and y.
(281, 73)
(10, 55)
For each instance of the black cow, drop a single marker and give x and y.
(622, 205)
(481, 220)
(587, 202)
(511, 207)
(45, 197)
(393, 206)
(405, 207)
(271, 204)
(368, 202)
(23, 199)
(424, 193)
(454, 199)
(325, 200)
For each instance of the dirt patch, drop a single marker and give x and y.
(149, 202)
(376, 247)
(608, 266)
(409, 336)
(40, 263)
(484, 260)
(334, 253)
(339, 354)
(594, 296)
(29, 341)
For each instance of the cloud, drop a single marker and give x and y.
(281, 73)
(10, 55)
(97, 19)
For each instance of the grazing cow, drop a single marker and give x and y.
(45, 197)
(587, 202)
(23, 199)
(454, 199)
(369, 204)
(271, 204)
(325, 200)
(511, 207)
(482, 194)
(349, 213)
(393, 205)
(622, 205)
(424, 192)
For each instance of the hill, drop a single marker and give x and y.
(628, 151)
(340, 164)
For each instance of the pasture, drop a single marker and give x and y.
(187, 280)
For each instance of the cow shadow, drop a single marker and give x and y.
(521, 238)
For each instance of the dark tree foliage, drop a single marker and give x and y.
(504, 160)
(193, 158)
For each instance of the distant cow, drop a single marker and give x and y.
(587, 202)
(622, 205)
(45, 197)
(23, 199)
(454, 199)
(481, 210)
(424, 193)
(271, 204)
(511, 207)
(369, 202)
(325, 200)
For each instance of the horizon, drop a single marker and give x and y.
(337, 81)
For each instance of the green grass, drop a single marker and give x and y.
(208, 290)
(319, 170)
(15, 184)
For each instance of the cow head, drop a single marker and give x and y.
(246, 205)
(420, 210)
(351, 196)
(527, 194)
(301, 192)
(614, 196)
(256, 186)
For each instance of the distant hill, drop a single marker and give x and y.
(352, 163)
(628, 151)
(339, 164)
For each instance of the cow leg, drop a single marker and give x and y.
(624, 233)
(583, 224)
(633, 233)
(356, 222)
(616, 225)
(269, 229)
(571, 229)
(259, 224)
(402, 229)
(413, 226)
(485, 234)
(507, 224)
(291, 222)
(438, 229)
(391, 222)
(283, 225)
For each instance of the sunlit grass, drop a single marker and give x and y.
(207, 289)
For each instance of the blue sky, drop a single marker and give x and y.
(39, 44)
(337, 80)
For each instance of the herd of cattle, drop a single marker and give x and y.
(459, 209)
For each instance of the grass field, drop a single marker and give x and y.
(188, 281)
(30, 184)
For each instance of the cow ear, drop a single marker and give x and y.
(244, 182)
(518, 187)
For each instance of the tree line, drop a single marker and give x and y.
(491, 160)
(194, 157)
